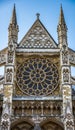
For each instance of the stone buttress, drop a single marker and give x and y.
(9, 73)
(65, 73)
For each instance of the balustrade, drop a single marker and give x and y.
(32, 109)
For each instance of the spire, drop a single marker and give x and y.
(62, 27)
(14, 18)
(13, 28)
(61, 18)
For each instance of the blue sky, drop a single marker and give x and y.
(26, 15)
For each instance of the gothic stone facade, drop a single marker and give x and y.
(36, 89)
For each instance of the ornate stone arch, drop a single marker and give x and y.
(22, 124)
(51, 124)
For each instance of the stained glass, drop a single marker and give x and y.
(37, 76)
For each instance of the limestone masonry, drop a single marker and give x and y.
(36, 91)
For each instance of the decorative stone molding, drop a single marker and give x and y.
(69, 117)
(10, 57)
(38, 37)
(5, 125)
(64, 54)
(66, 77)
(23, 50)
(9, 75)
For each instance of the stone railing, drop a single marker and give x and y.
(34, 108)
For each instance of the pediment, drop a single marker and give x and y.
(37, 38)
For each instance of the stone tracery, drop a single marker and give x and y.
(38, 38)
(37, 76)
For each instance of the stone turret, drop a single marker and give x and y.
(9, 72)
(65, 72)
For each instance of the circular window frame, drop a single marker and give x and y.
(49, 88)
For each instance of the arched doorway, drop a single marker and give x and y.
(22, 125)
(44, 125)
(51, 125)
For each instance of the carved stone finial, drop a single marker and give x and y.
(38, 15)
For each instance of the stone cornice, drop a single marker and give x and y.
(37, 50)
(38, 98)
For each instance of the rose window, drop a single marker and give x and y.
(37, 76)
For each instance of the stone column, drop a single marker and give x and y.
(37, 126)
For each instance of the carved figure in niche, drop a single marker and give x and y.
(65, 57)
(11, 45)
(64, 54)
(65, 75)
(2, 57)
(9, 75)
(10, 57)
